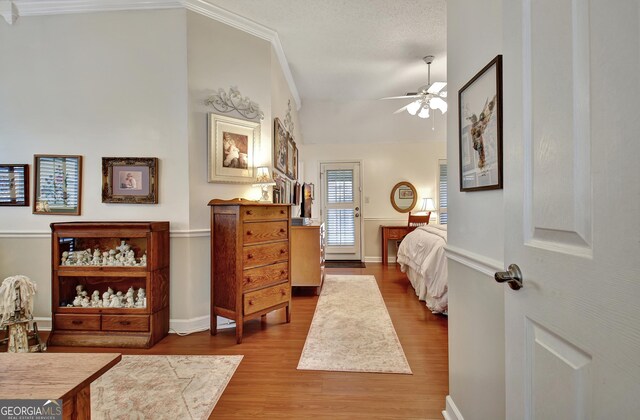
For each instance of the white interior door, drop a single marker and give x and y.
(341, 209)
(572, 197)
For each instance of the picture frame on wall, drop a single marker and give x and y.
(280, 146)
(291, 146)
(57, 184)
(130, 180)
(480, 124)
(295, 162)
(14, 185)
(232, 142)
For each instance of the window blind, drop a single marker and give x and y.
(58, 181)
(442, 192)
(339, 186)
(12, 184)
(341, 229)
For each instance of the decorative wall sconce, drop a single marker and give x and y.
(234, 101)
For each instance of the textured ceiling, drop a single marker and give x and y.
(343, 50)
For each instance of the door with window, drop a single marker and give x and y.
(341, 209)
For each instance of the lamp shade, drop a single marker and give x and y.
(262, 176)
(428, 205)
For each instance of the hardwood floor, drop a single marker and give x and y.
(268, 386)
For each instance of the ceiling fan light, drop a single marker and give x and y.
(413, 107)
(444, 107)
(424, 112)
(438, 103)
(443, 94)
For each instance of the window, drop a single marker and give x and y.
(442, 191)
(341, 229)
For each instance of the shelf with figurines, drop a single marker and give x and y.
(99, 295)
(102, 254)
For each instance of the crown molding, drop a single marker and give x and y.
(10, 10)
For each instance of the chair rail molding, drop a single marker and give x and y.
(58, 7)
(174, 233)
(475, 261)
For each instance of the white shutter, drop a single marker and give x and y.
(341, 230)
(58, 181)
(442, 191)
(12, 184)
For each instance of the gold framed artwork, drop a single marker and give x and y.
(280, 146)
(132, 180)
(57, 184)
(291, 147)
(232, 143)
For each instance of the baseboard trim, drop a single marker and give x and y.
(451, 412)
(390, 260)
(474, 261)
(176, 326)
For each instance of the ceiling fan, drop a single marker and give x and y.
(429, 96)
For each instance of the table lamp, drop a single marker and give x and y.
(264, 180)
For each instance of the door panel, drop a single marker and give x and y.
(572, 202)
(341, 209)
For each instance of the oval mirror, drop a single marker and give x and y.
(404, 197)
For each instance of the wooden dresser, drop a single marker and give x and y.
(307, 256)
(250, 263)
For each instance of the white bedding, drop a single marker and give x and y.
(421, 255)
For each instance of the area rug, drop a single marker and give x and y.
(162, 387)
(351, 330)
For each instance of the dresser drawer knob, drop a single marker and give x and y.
(282, 211)
(250, 302)
(282, 230)
(249, 212)
(76, 322)
(283, 272)
(125, 322)
(249, 256)
(249, 232)
(248, 279)
(282, 251)
(283, 292)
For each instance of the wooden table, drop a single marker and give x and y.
(392, 233)
(54, 376)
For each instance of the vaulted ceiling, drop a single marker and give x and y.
(345, 54)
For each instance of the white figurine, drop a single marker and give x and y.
(96, 258)
(85, 303)
(65, 256)
(79, 289)
(141, 300)
(111, 260)
(77, 301)
(143, 260)
(105, 298)
(124, 247)
(115, 302)
(129, 303)
(95, 299)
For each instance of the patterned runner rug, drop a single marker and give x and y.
(351, 330)
(162, 387)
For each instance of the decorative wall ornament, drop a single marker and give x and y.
(234, 101)
(288, 121)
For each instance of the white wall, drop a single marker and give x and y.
(383, 165)
(126, 84)
(476, 302)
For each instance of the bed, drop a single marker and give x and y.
(421, 256)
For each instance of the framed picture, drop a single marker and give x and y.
(57, 184)
(14, 185)
(231, 149)
(480, 122)
(130, 180)
(280, 146)
(295, 162)
(406, 193)
(291, 146)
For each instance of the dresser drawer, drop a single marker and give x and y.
(125, 323)
(265, 298)
(265, 276)
(256, 255)
(397, 233)
(265, 232)
(77, 322)
(264, 213)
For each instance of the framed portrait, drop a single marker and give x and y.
(480, 123)
(280, 146)
(131, 180)
(57, 184)
(295, 162)
(231, 149)
(14, 185)
(291, 146)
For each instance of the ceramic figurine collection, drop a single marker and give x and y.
(110, 299)
(120, 256)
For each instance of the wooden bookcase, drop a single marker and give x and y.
(137, 327)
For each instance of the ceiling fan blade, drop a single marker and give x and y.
(407, 96)
(436, 87)
(402, 109)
